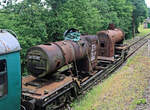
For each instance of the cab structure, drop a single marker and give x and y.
(10, 71)
(109, 41)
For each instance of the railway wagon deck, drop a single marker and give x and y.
(39, 92)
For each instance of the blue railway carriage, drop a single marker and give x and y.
(10, 71)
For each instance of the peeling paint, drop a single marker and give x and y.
(8, 43)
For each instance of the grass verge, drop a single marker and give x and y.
(143, 31)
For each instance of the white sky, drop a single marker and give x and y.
(148, 3)
(14, 2)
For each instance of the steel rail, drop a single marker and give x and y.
(139, 40)
(139, 46)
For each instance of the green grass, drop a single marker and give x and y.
(143, 31)
(141, 101)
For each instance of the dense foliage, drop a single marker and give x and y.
(37, 21)
(139, 13)
(148, 12)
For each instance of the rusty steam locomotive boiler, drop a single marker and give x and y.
(46, 59)
(108, 41)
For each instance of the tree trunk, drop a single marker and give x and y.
(133, 26)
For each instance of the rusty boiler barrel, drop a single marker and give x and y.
(116, 35)
(46, 59)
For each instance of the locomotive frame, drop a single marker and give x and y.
(72, 88)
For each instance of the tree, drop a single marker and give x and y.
(149, 12)
(54, 4)
(26, 19)
(79, 14)
(139, 13)
(118, 12)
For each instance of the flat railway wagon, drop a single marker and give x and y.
(59, 71)
(62, 70)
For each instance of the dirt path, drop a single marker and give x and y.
(124, 89)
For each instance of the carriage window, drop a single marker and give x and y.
(3, 78)
(102, 44)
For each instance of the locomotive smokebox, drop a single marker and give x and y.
(108, 39)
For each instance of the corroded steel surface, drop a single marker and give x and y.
(67, 50)
(43, 59)
(46, 59)
(46, 89)
(107, 40)
(122, 48)
(8, 42)
(116, 35)
(93, 48)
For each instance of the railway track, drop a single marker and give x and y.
(137, 45)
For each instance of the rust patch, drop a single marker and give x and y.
(107, 41)
(7, 49)
(39, 92)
